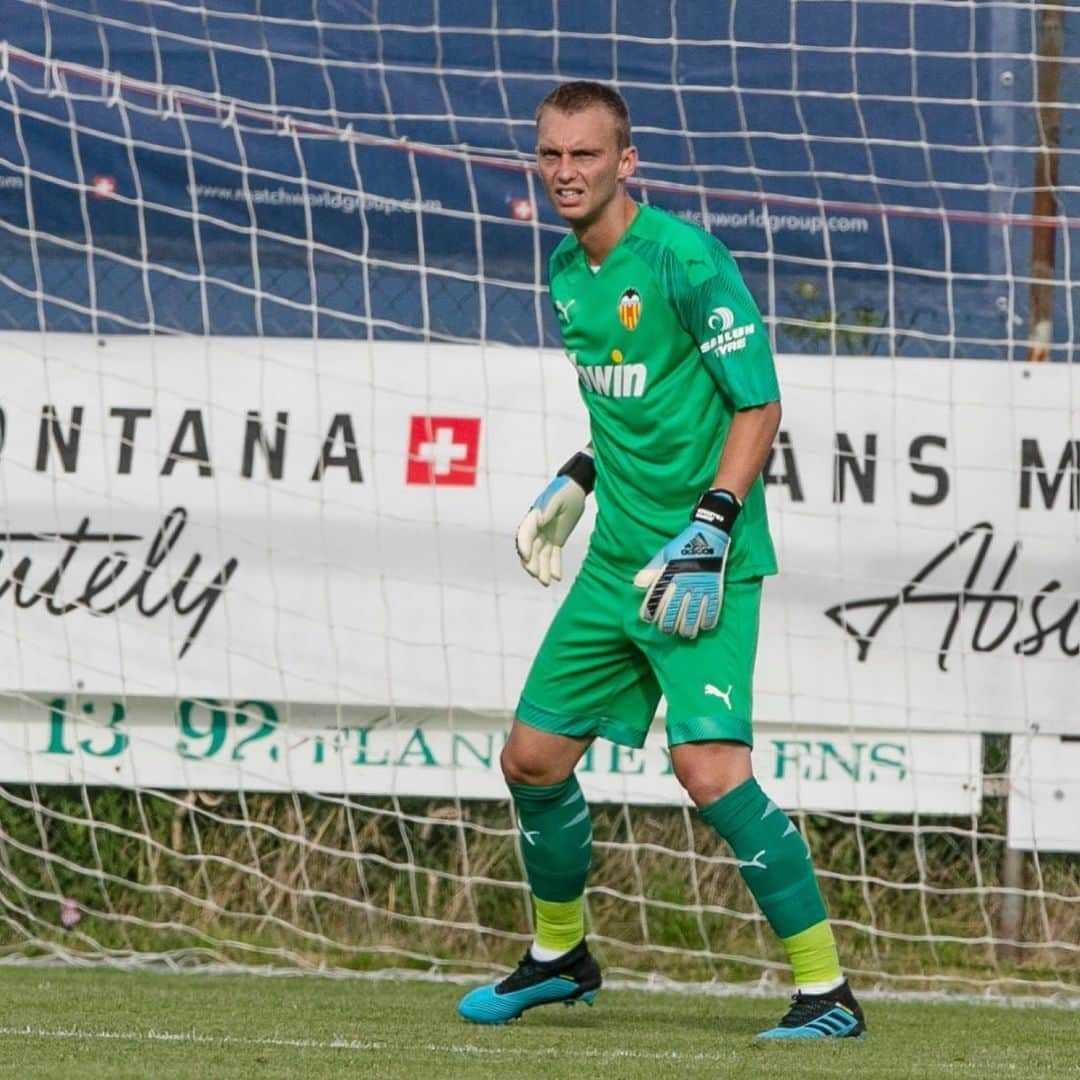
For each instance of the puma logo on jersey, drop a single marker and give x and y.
(564, 309)
(613, 380)
(723, 695)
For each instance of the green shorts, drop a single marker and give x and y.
(601, 670)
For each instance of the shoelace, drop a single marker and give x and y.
(528, 968)
(802, 1009)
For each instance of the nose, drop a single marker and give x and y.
(566, 165)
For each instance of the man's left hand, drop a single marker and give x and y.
(684, 580)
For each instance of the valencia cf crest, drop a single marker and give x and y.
(630, 308)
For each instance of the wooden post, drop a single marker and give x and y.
(1044, 203)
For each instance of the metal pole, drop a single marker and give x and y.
(1012, 905)
(1044, 203)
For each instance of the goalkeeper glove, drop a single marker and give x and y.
(684, 580)
(552, 517)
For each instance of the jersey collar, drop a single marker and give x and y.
(631, 228)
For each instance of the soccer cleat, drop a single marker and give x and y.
(834, 1015)
(571, 978)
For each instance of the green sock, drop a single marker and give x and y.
(812, 954)
(556, 847)
(775, 864)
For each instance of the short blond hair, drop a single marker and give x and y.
(574, 97)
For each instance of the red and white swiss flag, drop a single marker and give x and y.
(521, 209)
(443, 450)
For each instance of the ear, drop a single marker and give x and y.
(628, 161)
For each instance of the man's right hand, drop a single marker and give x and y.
(552, 517)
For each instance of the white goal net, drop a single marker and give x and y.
(279, 376)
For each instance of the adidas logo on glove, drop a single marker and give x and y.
(684, 580)
(698, 545)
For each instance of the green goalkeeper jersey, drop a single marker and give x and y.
(667, 344)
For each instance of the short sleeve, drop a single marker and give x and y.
(717, 311)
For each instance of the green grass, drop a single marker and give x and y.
(87, 1024)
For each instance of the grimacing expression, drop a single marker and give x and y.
(580, 162)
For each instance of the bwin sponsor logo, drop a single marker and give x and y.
(728, 341)
(614, 380)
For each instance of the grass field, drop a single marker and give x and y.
(86, 1024)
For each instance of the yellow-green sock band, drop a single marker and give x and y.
(812, 953)
(560, 925)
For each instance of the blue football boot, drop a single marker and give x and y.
(571, 978)
(833, 1015)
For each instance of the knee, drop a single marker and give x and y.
(706, 788)
(708, 772)
(532, 770)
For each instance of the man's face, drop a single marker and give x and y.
(580, 163)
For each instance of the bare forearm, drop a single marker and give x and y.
(746, 448)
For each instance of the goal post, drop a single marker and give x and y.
(280, 375)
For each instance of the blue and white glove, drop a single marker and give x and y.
(552, 517)
(684, 580)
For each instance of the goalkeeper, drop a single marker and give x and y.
(678, 378)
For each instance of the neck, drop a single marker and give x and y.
(598, 238)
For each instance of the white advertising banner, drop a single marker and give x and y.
(331, 522)
(257, 745)
(1044, 793)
